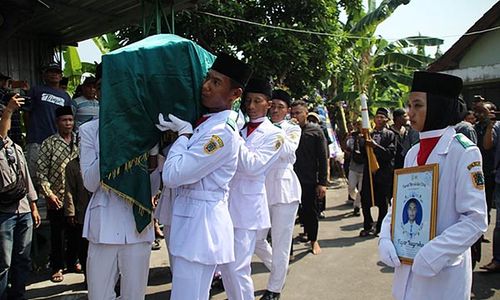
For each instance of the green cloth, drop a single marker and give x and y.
(159, 74)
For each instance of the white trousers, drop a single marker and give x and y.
(105, 262)
(166, 234)
(355, 182)
(237, 275)
(191, 280)
(276, 258)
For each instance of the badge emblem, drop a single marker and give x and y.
(213, 144)
(478, 180)
(279, 142)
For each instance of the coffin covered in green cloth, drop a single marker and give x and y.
(159, 74)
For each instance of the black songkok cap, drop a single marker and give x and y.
(398, 112)
(437, 83)
(382, 111)
(232, 68)
(262, 86)
(282, 95)
(63, 111)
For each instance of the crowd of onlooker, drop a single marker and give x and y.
(42, 121)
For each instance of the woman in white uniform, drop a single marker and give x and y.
(442, 268)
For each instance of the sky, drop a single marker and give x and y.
(445, 19)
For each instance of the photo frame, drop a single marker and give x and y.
(414, 209)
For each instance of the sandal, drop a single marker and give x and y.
(492, 267)
(57, 276)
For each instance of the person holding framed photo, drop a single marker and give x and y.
(441, 269)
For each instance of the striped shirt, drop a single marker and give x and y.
(84, 110)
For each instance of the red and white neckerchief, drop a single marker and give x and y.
(253, 124)
(428, 140)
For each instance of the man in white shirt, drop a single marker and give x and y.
(283, 196)
(116, 248)
(198, 169)
(247, 198)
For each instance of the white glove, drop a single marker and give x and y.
(387, 253)
(175, 124)
(164, 125)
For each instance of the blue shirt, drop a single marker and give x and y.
(42, 118)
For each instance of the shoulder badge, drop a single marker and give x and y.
(231, 123)
(464, 141)
(477, 180)
(474, 164)
(279, 142)
(214, 144)
(294, 136)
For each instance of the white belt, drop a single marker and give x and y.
(212, 196)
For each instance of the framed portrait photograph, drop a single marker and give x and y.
(414, 209)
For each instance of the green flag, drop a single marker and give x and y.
(159, 74)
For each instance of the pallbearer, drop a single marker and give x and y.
(261, 145)
(200, 165)
(283, 196)
(442, 268)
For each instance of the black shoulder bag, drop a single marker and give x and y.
(15, 191)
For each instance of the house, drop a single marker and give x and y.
(475, 57)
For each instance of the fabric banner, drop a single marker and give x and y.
(159, 74)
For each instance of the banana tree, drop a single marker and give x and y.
(107, 43)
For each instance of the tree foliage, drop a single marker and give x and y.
(299, 61)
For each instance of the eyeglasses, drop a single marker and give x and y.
(10, 155)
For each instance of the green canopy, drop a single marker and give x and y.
(159, 74)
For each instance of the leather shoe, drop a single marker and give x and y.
(268, 295)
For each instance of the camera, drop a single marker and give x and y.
(27, 99)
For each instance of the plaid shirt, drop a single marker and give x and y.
(55, 154)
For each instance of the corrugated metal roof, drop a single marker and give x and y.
(70, 21)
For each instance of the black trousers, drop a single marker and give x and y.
(309, 212)
(63, 241)
(82, 247)
(489, 189)
(381, 192)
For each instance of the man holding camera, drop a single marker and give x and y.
(6, 93)
(18, 211)
(490, 145)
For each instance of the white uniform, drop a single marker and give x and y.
(116, 247)
(201, 236)
(248, 204)
(283, 196)
(442, 268)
